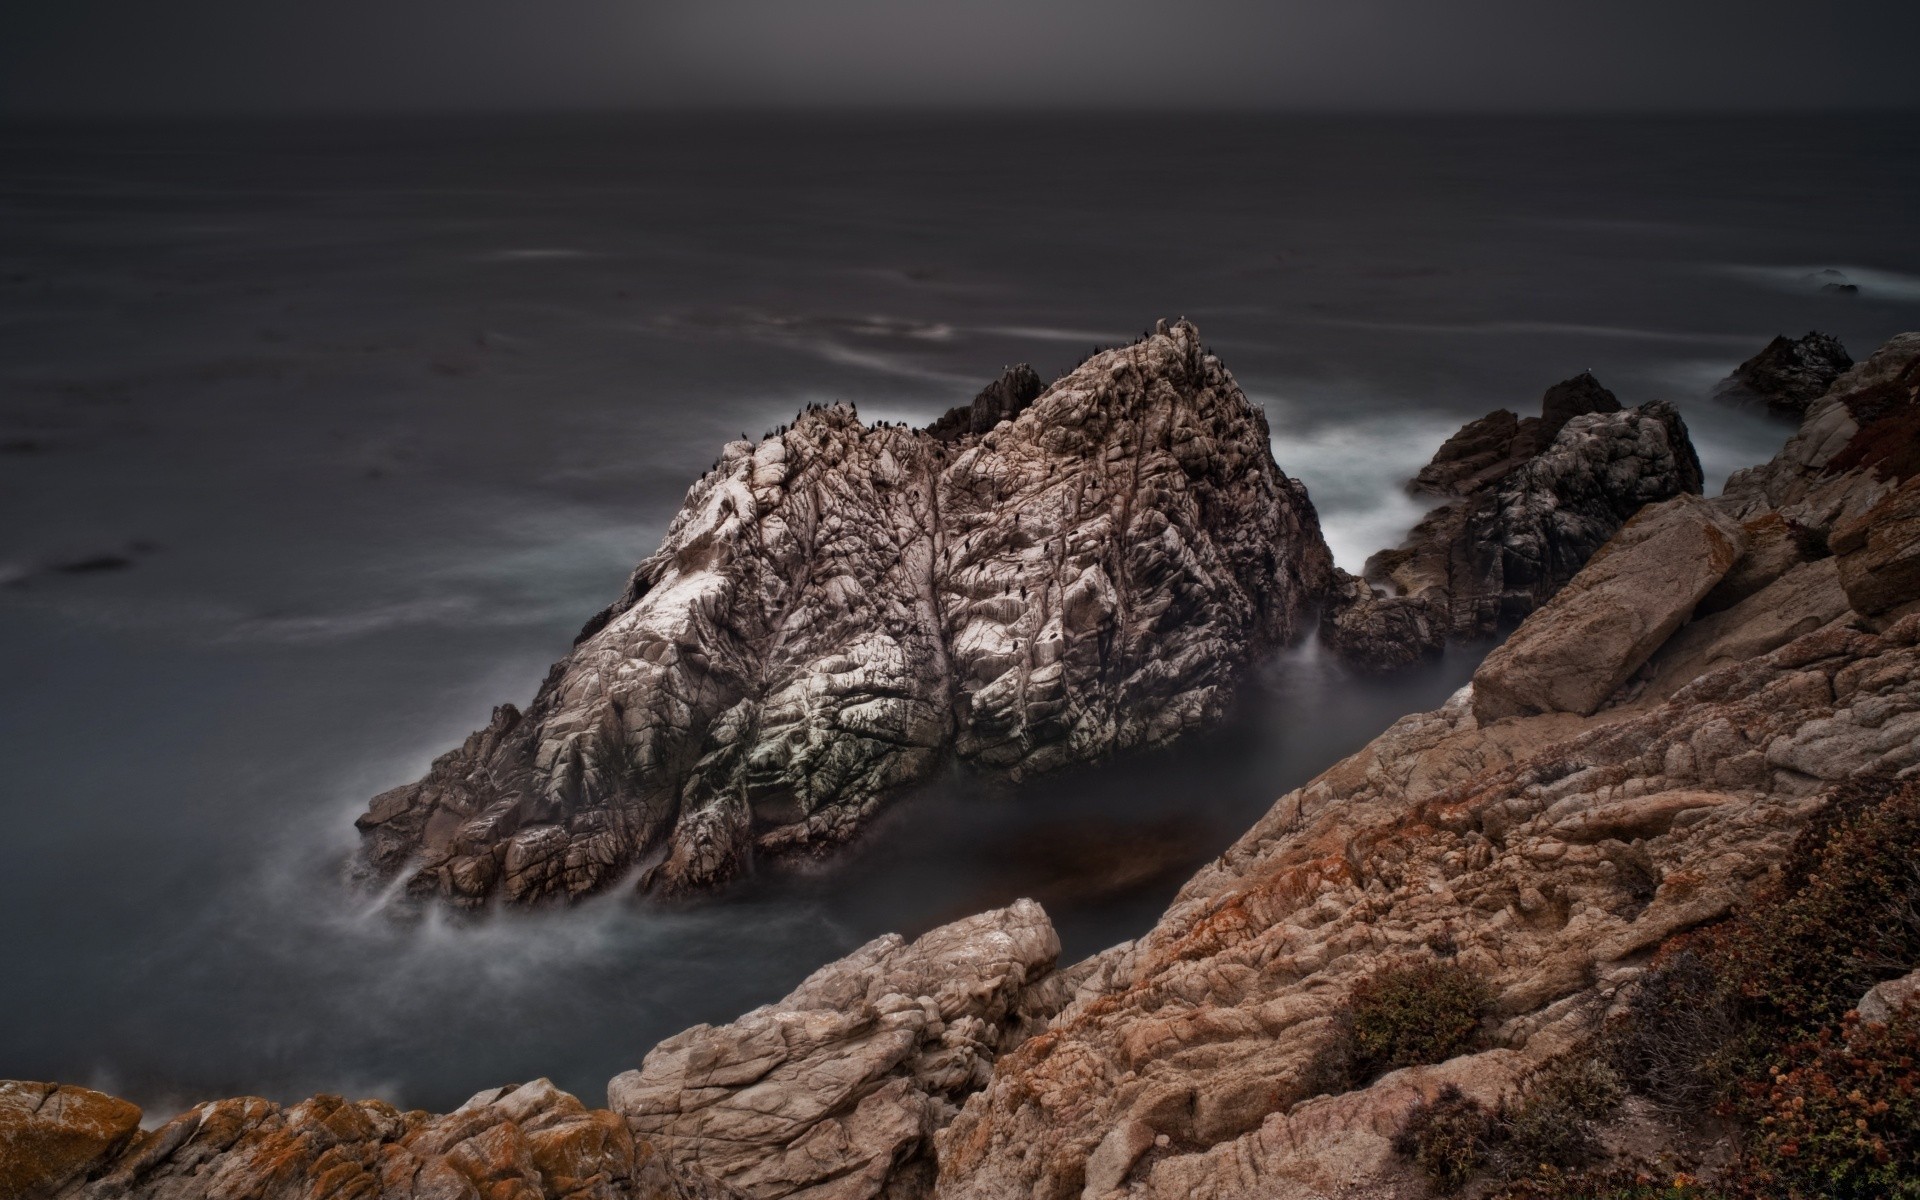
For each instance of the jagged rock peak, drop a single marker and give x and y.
(1788, 375)
(840, 609)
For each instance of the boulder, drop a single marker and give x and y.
(53, 1134)
(1574, 652)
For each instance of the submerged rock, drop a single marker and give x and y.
(1531, 501)
(841, 608)
(1788, 375)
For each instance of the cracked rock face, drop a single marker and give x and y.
(841, 608)
(1787, 376)
(837, 1090)
(1530, 502)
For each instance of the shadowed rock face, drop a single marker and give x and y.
(839, 609)
(1787, 376)
(1531, 501)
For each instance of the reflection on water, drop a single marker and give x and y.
(317, 441)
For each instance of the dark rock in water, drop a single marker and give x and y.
(839, 609)
(1533, 499)
(1002, 400)
(1787, 376)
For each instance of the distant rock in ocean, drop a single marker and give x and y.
(1041, 578)
(1787, 376)
(1530, 501)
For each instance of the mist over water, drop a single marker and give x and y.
(317, 441)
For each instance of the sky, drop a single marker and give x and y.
(169, 57)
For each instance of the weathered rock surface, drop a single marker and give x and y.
(840, 608)
(837, 1090)
(1879, 551)
(1602, 627)
(834, 1093)
(1533, 500)
(50, 1134)
(530, 1142)
(1788, 375)
(1546, 852)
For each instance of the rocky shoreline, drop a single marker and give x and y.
(1715, 696)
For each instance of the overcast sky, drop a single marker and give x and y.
(246, 56)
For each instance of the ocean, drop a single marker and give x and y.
(320, 438)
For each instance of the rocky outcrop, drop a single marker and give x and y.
(529, 1142)
(1787, 376)
(841, 608)
(1531, 502)
(837, 1090)
(1544, 848)
(1879, 551)
(51, 1134)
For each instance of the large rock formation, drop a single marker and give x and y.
(1787, 376)
(841, 608)
(1530, 502)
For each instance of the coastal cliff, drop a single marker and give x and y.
(1636, 905)
(840, 609)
